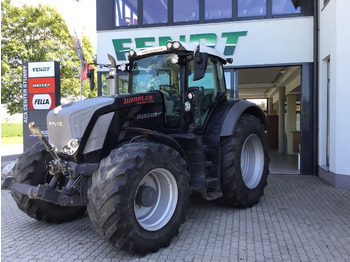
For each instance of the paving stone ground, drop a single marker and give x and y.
(300, 218)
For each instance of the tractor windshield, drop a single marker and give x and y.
(154, 73)
(160, 73)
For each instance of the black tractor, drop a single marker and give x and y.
(133, 159)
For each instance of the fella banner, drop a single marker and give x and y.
(41, 93)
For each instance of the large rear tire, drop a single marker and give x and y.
(139, 197)
(245, 160)
(30, 170)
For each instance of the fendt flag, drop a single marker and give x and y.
(79, 51)
(84, 67)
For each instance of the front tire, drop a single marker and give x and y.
(245, 161)
(30, 169)
(139, 197)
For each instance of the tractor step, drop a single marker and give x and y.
(208, 164)
(212, 195)
(212, 182)
(213, 189)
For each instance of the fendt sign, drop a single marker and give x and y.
(230, 40)
(249, 43)
(41, 93)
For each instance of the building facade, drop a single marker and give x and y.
(281, 50)
(334, 92)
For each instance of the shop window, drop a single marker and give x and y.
(218, 9)
(280, 7)
(186, 10)
(155, 11)
(248, 8)
(126, 12)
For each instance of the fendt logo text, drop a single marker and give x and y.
(41, 69)
(229, 38)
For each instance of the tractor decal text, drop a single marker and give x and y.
(148, 115)
(138, 100)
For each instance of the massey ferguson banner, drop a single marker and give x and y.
(41, 93)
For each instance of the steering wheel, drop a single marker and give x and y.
(169, 90)
(200, 89)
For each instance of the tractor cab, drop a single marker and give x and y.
(188, 77)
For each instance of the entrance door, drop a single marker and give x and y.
(277, 90)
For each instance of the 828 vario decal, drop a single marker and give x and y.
(148, 115)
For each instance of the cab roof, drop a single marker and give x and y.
(175, 47)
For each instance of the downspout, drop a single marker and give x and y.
(315, 87)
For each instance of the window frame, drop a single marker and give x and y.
(153, 24)
(305, 10)
(138, 7)
(219, 19)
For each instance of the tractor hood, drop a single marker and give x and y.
(67, 122)
(86, 122)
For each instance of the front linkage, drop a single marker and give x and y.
(58, 168)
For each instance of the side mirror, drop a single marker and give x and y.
(199, 64)
(91, 76)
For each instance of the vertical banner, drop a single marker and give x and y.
(41, 93)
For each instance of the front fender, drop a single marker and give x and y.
(159, 138)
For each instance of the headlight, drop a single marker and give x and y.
(169, 45)
(71, 147)
(173, 45)
(187, 106)
(74, 143)
(176, 45)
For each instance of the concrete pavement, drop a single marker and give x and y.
(300, 218)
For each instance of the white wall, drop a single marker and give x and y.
(334, 45)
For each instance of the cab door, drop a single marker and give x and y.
(205, 90)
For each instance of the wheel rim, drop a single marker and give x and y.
(158, 214)
(252, 161)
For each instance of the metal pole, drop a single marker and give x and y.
(235, 83)
(81, 84)
(281, 116)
